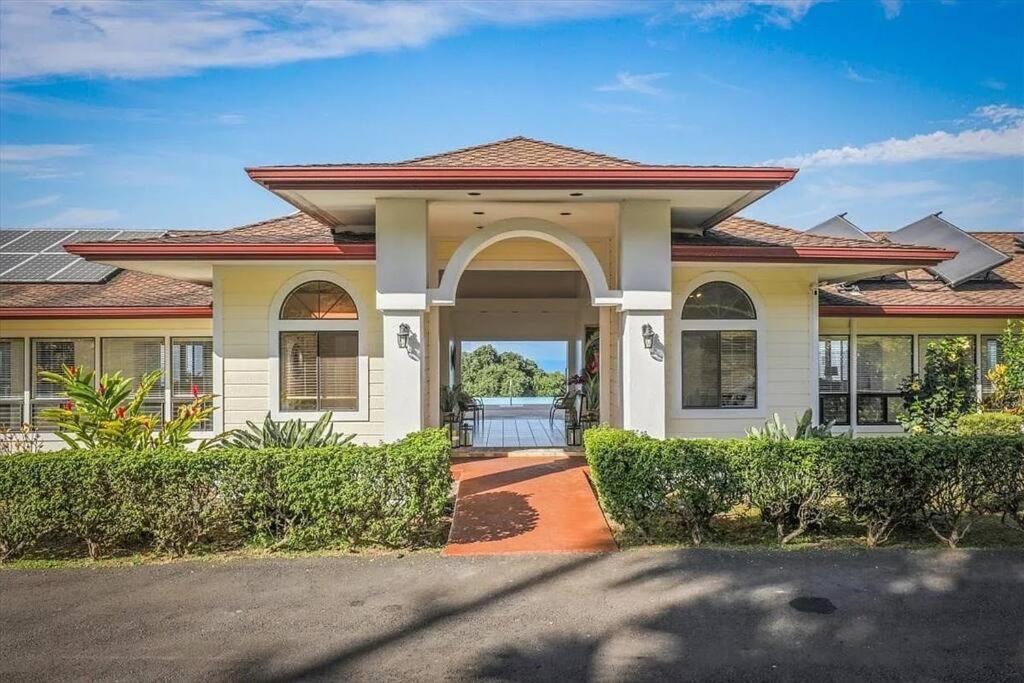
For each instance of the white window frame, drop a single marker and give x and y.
(277, 326)
(678, 326)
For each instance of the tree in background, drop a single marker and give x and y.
(485, 372)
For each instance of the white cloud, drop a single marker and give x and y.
(994, 84)
(892, 8)
(143, 39)
(781, 13)
(46, 200)
(1004, 139)
(81, 217)
(638, 83)
(231, 119)
(29, 153)
(852, 74)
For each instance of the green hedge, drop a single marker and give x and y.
(394, 495)
(658, 488)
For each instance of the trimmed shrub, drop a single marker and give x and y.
(980, 424)
(883, 483)
(659, 488)
(790, 482)
(173, 500)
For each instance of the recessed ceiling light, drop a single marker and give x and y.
(566, 213)
(478, 213)
(575, 194)
(479, 227)
(473, 194)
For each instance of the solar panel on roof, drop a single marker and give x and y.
(138, 234)
(973, 258)
(38, 268)
(839, 226)
(8, 261)
(90, 236)
(37, 240)
(8, 236)
(84, 271)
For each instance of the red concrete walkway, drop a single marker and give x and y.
(526, 505)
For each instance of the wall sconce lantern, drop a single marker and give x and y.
(403, 336)
(648, 334)
(467, 435)
(573, 434)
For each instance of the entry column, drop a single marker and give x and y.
(645, 277)
(402, 299)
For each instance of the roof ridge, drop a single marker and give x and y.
(522, 138)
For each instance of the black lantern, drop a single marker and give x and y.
(648, 334)
(403, 336)
(466, 433)
(573, 433)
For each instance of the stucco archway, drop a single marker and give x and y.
(534, 228)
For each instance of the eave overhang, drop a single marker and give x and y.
(640, 177)
(241, 252)
(911, 258)
(875, 311)
(93, 312)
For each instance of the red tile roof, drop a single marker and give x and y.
(520, 152)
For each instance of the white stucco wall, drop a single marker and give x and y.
(243, 297)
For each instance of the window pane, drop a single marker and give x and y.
(191, 366)
(870, 410)
(700, 370)
(339, 370)
(834, 364)
(12, 368)
(11, 413)
(883, 362)
(718, 301)
(318, 300)
(991, 356)
(298, 371)
(133, 358)
(835, 407)
(739, 369)
(52, 354)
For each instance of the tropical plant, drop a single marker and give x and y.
(455, 400)
(776, 430)
(289, 434)
(110, 414)
(935, 400)
(1007, 377)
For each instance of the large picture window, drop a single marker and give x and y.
(53, 355)
(319, 363)
(719, 355)
(834, 378)
(883, 362)
(12, 382)
(134, 357)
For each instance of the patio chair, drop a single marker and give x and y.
(563, 402)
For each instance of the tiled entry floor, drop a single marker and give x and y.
(519, 432)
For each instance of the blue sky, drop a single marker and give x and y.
(144, 114)
(549, 355)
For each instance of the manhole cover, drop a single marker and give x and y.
(813, 605)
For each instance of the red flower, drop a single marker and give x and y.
(73, 371)
(120, 412)
(69, 406)
(195, 391)
(103, 388)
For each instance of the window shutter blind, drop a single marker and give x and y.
(133, 358)
(339, 370)
(191, 366)
(991, 355)
(883, 362)
(298, 371)
(739, 374)
(52, 355)
(12, 382)
(834, 364)
(700, 370)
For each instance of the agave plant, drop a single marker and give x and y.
(776, 430)
(290, 434)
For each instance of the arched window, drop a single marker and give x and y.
(319, 300)
(318, 350)
(718, 301)
(719, 348)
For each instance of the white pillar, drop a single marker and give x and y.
(402, 254)
(404, 375)
(645, 277)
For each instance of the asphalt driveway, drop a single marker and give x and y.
(650, 614)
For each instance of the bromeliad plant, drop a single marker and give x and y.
(109, 413)
(776, 430)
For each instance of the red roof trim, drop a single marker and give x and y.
(869, 311)
(901, 255)
(426, 177)
(114, 250)
(33, 312)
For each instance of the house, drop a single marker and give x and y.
(358, 301)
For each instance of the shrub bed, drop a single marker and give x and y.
(658, 488)
(172, 500)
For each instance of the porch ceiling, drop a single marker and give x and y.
(692, 208)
